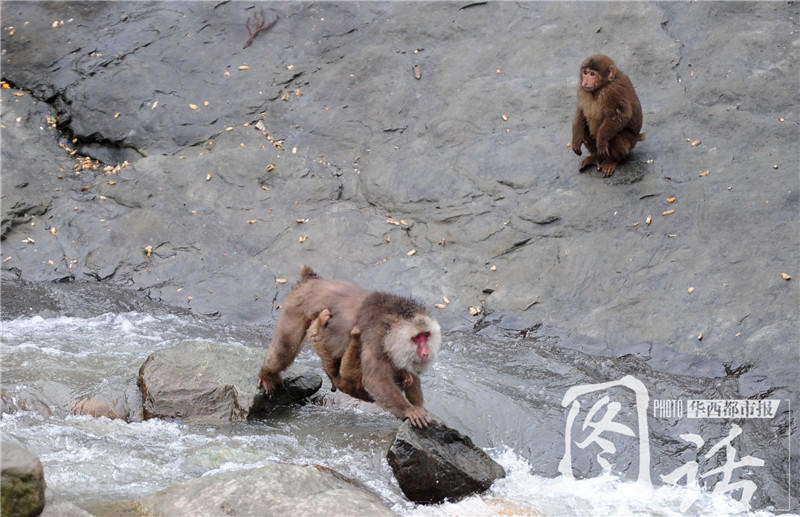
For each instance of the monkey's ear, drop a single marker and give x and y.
(612, 72)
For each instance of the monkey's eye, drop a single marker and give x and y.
(422, 336)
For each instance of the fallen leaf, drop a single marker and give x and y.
(695, 143)
(474, 310)
(244, 67)
(493, 268)
(301, 221)
(154, 105)
(785, 276)
(505, 117)
(303, 238)
(705, 173)
(668, 212)
(700, 336)
(208, 177)
(411, 253)
(775, 166)
(670, 200)
(148, 250)
(445, 299)
(440, 306)
(690, 290)
(648, 220)
(280, 280)
(53, 230)
(226, 73)
(251, 221)
(193, 106)
(117, 114)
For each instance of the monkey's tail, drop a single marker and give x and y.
(306, 273)
(642, 137)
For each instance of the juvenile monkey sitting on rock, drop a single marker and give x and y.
(373, 345)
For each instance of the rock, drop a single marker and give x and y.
(113, 402)
(277, 489)
(23, 483)
(210, 382)
(438, 463)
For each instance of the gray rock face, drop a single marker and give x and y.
(275, 490)
(23, 485)
(438, 463)
(209, 382)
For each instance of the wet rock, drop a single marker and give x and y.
(277, 489)
(23, 484)
(22, 401)
(210, 382)
(113, 402)
(438, 463)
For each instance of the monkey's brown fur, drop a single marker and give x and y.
(608, 117)
(349, 377)
(379, 331)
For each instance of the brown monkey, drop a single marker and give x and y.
(348, 377)
(394, 334)
(608, 118)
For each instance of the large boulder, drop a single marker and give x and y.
(210, 382)
(438, 463)
(274, 490)
(23, 483)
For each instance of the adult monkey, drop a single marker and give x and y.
(608, 117)
(390, 335)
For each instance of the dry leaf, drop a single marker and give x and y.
(493, 268)
(53, 230)
(251, 221)
(670, 200)
(301, 221)
(505, 117)
(440, 306)
(411, 253)
(785, 276)
(28, 240)
(154, 105)
(208, 177)
(695, 143)
(303, 238)
(148, 250)
(189, 298)
(474, 310)
(117, 114)
(700, 336)
(244, 67)
(705, 173)
(193, 106)
(775, 166)
(648, 220)
(445, 299)
(280, 280)
(690, 290)
(668, 212)
(226, 73)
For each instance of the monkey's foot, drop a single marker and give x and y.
(323, 317)
(589, 160)
(607, 168)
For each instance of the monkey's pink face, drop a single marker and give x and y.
(421, 340)
(413, 344)
(590, 80)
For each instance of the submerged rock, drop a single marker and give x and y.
(438, 463)
(277, 489)
(23, 483)
(112, 402)
(214, 383)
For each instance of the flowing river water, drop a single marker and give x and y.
(504, 392)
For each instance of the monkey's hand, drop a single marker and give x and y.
(602, 149)
(268, 381)
(576, 145)
(417, 416)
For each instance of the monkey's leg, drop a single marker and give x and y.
(350, 375)
(284, 348)
(315, 336)
(619, 148)
(414, 390)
